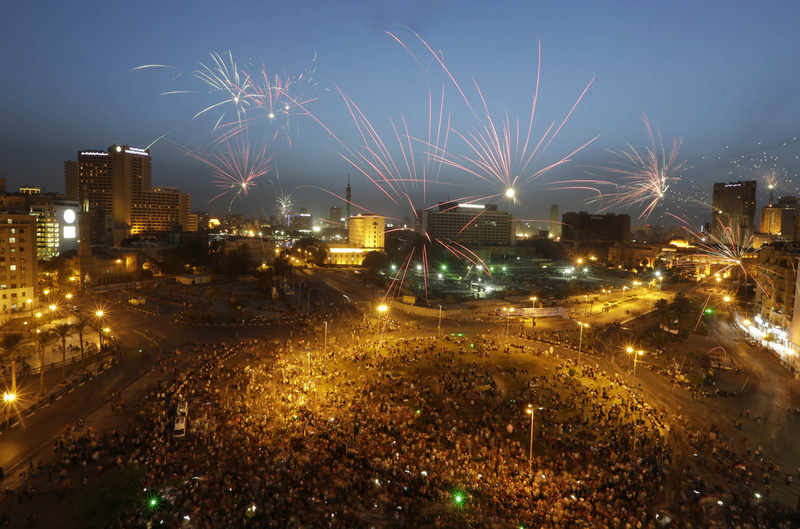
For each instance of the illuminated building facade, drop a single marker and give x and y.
(367, 231)
(478, 224)
(18, 264)
(114, 186)
(733, 211)
(299, 222)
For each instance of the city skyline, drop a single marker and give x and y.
(688, 68)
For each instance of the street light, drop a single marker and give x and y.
(623, 292)
(53, 308)
(8, 398)
(440, 321)
(381, 310)
(508, 319)
(533, 299)
(580, 341)
(532, 412)
(635, 354)
(99, 315)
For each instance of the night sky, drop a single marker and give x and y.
(721, 76)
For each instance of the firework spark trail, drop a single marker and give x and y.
(258, 97)
(497, 156)
(646, 174)
(731, 249)
(236, 166)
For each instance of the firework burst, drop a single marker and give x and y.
(645, 175)
(501, 151)
(235, 163)
(250, 94)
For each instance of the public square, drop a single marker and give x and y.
(343, 417)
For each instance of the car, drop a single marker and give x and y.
(179, 432)
(182, 410)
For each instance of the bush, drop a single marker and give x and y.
(572, 371)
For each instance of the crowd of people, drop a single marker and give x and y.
(418, 432)
(415, 432)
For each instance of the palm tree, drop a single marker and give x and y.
(213, 293)
(9, 346)
(63, 331)
(681, 307)
(43, 339)
(664, 316)
(78, 327)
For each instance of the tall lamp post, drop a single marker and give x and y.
(635, 354)
(382, 309)
(508, 319)
(533, 317)
(99, 315)
(580, 340)
(53, 307)
(440, 321)
(623, 292)
(532, 411)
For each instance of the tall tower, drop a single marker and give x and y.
(734, 211)
(347, 204)
(555, 226)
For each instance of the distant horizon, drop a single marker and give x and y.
(418, 103)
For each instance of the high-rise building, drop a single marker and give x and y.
(18, 264)
(583, 227)
(367, 231)
(467, 223)
(555, 226)
(56, 225)
(734, 210)
(114, 187)
(335, 214)
(778, 219)
(299, 222)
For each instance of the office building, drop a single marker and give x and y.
(365, 235)
(733, 212)
(114, 186)
(778, 219)
(335, 214)
(56, 225)
(584, 228)
(367, 231)
(18, 264)
(479, 224)
(555, 226)
(299, 222)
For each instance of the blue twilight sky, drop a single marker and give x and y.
(723, 76)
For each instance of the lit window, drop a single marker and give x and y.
(13, 267)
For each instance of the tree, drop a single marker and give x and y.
(281, 266)
(375, 261)
(78, 327)
(43, 339)
(664, 312)
(9, 346)
(213, 293)
(63, 331)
